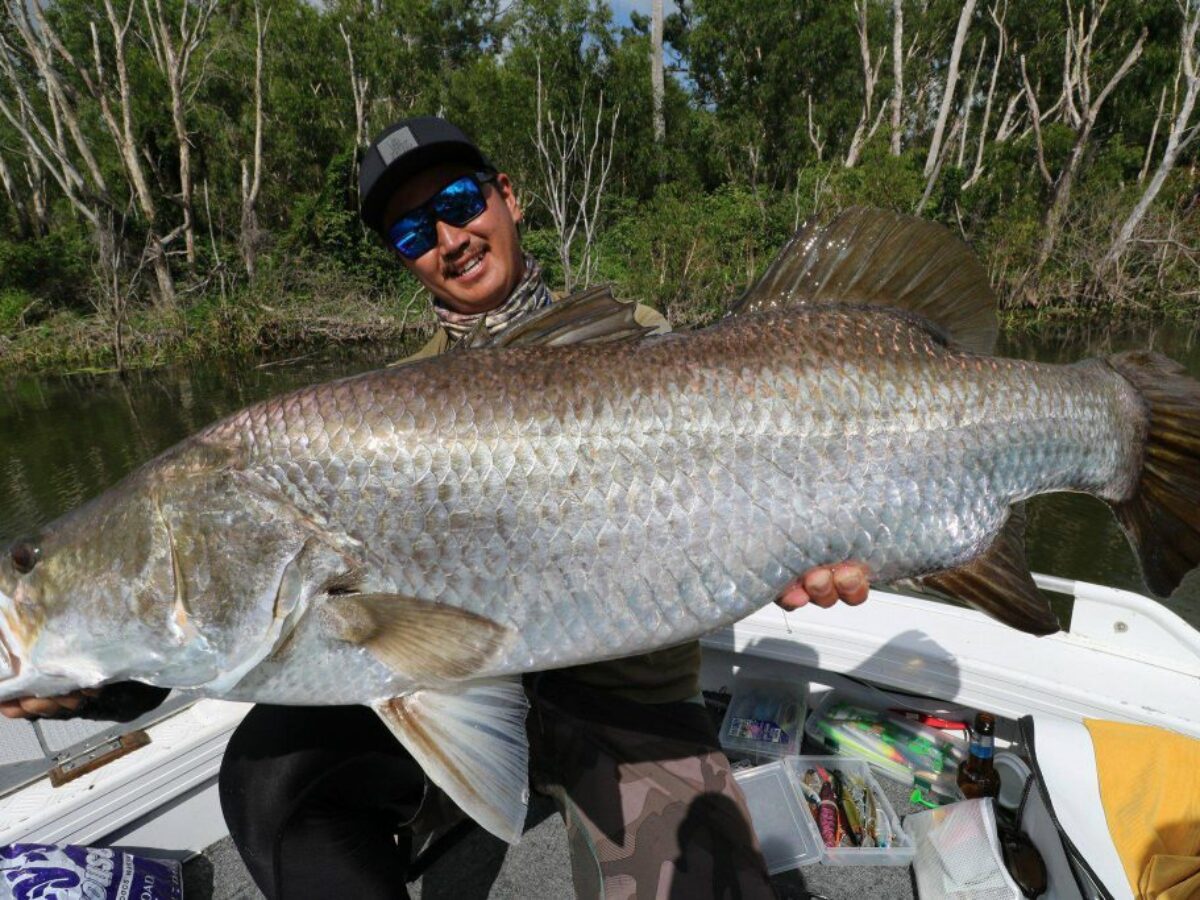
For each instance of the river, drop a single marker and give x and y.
(63, 439)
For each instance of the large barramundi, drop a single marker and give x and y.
(417, 537)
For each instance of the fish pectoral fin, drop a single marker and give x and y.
(877, 257)
(591, 316)
(471, 743)
(998, 582)
(415, 637)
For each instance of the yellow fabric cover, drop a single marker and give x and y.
(1150, 788)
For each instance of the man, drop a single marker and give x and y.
(322, 801)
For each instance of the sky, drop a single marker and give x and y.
(621, 9)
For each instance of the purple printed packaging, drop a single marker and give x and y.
(50, 872)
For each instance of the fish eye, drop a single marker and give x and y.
(24, 555)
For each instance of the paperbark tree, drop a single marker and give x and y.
(173, 51)
(657, 85)
(1080, 107)
(897, 73)
(1182, 133)
(123, 134)
(574, 155)
(868, 121)
(50, 131)
(814, 132)
(997, 12)
(252, 171)
(968, 101)
(939, 128)
(44, 48)
(359, 87)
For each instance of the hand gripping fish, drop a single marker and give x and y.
(416, 538)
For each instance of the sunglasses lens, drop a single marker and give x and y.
(414, 235)
(460, 202)
(457, 204)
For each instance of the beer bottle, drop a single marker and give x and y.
(977, 776)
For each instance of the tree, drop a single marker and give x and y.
(1182, 133)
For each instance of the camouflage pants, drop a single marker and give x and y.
(650, 804)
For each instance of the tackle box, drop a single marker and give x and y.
(786, 828)
(764, 721)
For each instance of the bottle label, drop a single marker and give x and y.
(982, 746)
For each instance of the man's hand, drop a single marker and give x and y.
(45, 707)
(826, 585)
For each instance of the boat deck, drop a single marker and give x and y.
(482, 867)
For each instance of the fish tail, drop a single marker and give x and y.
(1162, 515)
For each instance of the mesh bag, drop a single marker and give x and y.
(958, 853)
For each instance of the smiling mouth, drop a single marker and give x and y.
(470, 266)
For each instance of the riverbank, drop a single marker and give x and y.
(272, 320)
(304, 310)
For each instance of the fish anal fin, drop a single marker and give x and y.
(471, 743)
(882, 258)
(591, 316)
(415, 637)
(998, 582)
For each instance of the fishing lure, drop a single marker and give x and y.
(827, 812)
(883, 828)
(849, 811)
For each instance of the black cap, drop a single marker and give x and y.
(404, 149)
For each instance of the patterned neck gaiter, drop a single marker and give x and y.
(529, 295)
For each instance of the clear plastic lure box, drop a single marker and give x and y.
(778, 816)
(787, 830)
(900, 849)
(764, 721)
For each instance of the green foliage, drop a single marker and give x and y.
(15, 306)
(689, 253)
(685, 224)
(54, 267)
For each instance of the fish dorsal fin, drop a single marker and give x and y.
(882, 258)
(471, 743)
(415, 637)
(592, 316)
(998, 582)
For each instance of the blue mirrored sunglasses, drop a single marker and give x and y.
(415, 233)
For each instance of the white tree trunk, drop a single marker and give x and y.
(998, 12)
(897, 73)
(865, 128)
(252, 180)
(1088, 111)
(1182, 133)
(174, 57)
(939, 128)
(574, 158)
(657, 85)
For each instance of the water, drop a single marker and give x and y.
(64, 439)
(1074, 535)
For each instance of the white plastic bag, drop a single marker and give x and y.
(958, 853)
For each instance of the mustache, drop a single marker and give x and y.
(452, 263)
